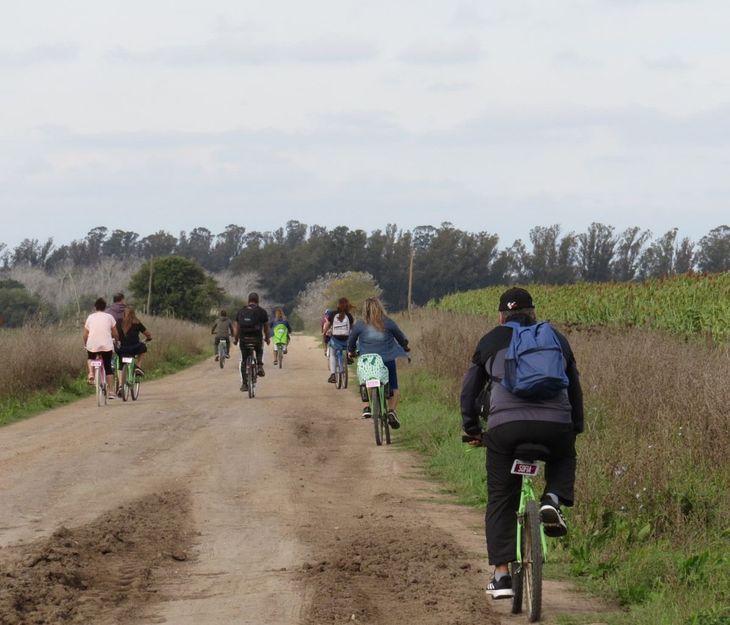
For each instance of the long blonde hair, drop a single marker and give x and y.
(279, 314)
(129, 319)
(373, 313)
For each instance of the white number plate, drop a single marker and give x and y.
(525, 468)
(373, 383)
(127, 359)
(96, 363)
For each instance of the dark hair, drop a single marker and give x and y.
(224, 313)
(253, 298)
(343, 307)
(100, 304)
(521, 313)
(118, 297)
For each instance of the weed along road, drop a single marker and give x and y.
(197, 505)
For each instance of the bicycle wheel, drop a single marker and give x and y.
(280, 354)
(532, 562)
(250, 376)
(125, 384)
(345, 374)
(377, 417)
(338, 369)
(516, 574)
(134, 386)
(221, 353)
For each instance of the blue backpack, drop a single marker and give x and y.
(534, 367)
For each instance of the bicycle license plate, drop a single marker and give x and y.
(126, 359)
(373, 383)
(520, 467)
(96, 363)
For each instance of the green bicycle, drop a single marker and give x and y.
(130, 382)
(374, 389)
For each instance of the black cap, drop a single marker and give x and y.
(515, 299)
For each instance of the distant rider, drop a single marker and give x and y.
(131, 345)
(223, 330)
(100, 331)
(252, 325)
(338, 325)
(280, 332)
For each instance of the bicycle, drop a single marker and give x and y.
(249, 366)
(341, 369)
(526, 571)
(222, 351)
(374, 389)
(99, 380)
(130, 380)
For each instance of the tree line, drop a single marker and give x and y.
(445, 259)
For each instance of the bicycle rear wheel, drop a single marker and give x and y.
(125, 384)
(280, 355)
(221, 353)
(338, 369)
(345, 374)
(532, 562)
(250, 376)
(375, 409)
(516, 574)
(134, 387)
(99, 383)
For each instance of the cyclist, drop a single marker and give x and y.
(377, 333)
(222, 329)
(130, 345)
(340, 322)
(513, 420)
(116, 310)
(100, 331)
(252, 323)
(281, 331)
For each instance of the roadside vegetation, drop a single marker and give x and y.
(651, 526)
(44, 366)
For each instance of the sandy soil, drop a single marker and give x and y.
(198, 505)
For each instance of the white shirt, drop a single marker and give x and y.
(99, 325)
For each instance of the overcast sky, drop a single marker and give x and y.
(500, 115)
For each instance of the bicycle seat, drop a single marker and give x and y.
(531, 452)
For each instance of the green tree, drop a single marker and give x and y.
(18, 305)
(180, 287)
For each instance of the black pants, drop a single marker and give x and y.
(503, 488)
(258, 345)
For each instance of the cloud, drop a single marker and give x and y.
(39, 55)
(572, 59)
(319, 51)
(442, 53)
(667, 64)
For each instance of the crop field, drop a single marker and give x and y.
(687, 305)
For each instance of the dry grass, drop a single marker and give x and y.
(42, 358)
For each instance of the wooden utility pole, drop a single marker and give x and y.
(149, 286)
(410, 283)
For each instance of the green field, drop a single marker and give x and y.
(692, 304)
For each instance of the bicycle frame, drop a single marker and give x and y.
(527, 493)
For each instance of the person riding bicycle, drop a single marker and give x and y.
(340, 322)
(130, 344)
(222, 329)
(116, 310)
(251, 326)
(378, 334)
(100, 331)
(280, 332)
(553, 422)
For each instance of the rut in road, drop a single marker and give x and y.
(103, 570)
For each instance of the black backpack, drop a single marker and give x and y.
(248, 320)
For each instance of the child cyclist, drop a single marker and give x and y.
(337, 326)
(222, 330)
(281, 332)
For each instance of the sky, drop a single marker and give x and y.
(495, 116)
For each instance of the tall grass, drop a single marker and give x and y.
(652, 519)
(46, 359)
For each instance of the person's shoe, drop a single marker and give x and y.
(350, 361)
(276, 362)
(501, 589)
(139, 372)
(331, 379)
(228, 355)
(286, 350)
(393, 420)
(216, 358)
(111, 395)
(244, 387)
(260, 371)
(553, 521)
(366, 414)
(90, 381)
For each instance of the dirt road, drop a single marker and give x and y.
(199, 506)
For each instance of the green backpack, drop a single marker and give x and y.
(281, 334)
